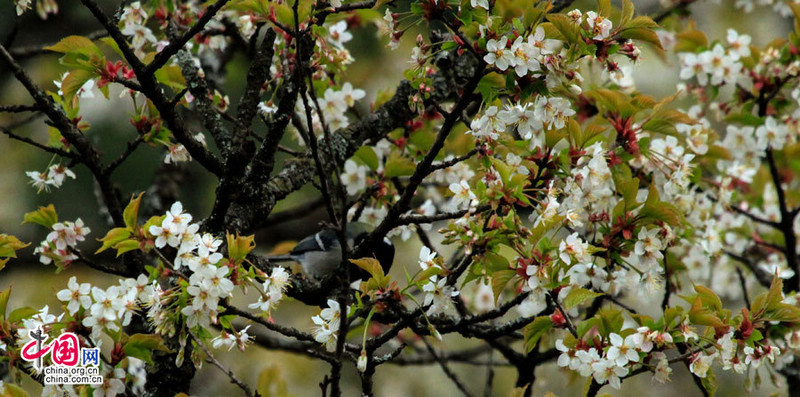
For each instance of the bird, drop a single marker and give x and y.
(320, 254)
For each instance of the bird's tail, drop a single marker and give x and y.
(280, 258)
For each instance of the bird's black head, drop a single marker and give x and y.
(383, 252)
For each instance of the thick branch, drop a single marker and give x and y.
(153, 91)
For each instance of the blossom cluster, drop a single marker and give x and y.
(272, 291)
(333, 105)
(98, 310)
(209, 281)
(613, 359)
(439, 294)
(525, 55)
(60, 243)
(54, 176)
(327, 323)
(546, 113)
(718, 65)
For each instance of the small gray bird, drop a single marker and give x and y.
(320, 254)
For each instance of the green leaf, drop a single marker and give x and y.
(642, 21)
(708, 298)
(785, 313)
(125, 246)
(664, 212)
(153, 221)
(642, 34)
(428, 273)
(75, 44)
(171, 76)
(370, 265)
(535, 330)
(604, 7)
(610, 320)
(397, 165)
(655, 209)
(775, 293)
(700, 316)
(21, 313)
(131, 213)
(518, 391)
(45, 216)
(109, 41)
(758, 304)
(613, 101)
(569, 30)
(367, 156)
(539, 231)
(710, 382)
(627, 13)
(12, 390)
(577, 296)
(4, 295)
(142, 345)
(495, 262)
(499, 281)
(690, 41)
(239, 246)
(114, 236)
(73, 82)
(9, 245)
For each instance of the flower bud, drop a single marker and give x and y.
(362, 361)
(435, 332)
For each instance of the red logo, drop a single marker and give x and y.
(63, 350)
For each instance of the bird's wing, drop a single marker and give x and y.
(310, 243)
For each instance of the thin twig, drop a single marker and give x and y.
(443, 364)
(218, 364)
(175, 45)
